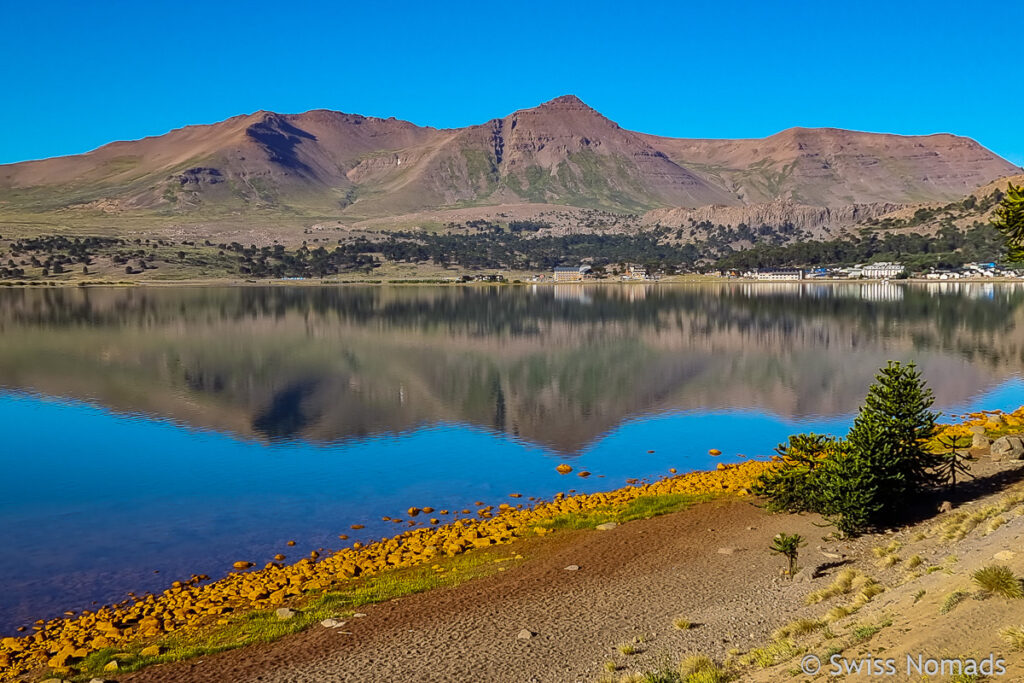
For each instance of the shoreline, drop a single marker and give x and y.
(142, 629)
(197, 603)
(433, 282)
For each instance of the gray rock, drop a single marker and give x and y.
(977, 429)
(607, 526)
(525, 634)
(946, 506)
(358, 615)
(331, 623)
(980, 441)
(726, 551)
(832, 556)
(283, 613)
(803, 575)
(572, 568)
(97, 680)
(1010, 447)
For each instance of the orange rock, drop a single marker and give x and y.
(357, 527)
(563, 469)
(291, 543)
(242, 564)
(583, 474)
(714, 451)
(413, 511)
(279, 557)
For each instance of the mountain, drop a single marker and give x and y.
(325, 164)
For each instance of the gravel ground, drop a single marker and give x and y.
(709, 564)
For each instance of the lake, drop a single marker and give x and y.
(151, 433)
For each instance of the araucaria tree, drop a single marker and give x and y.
(1009, 220)
(890, 432)
(866, 479)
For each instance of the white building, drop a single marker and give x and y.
(776, 275)
(882, 270)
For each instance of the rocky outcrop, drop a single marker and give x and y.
(817, 220)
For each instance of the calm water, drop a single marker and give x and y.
(179, 430)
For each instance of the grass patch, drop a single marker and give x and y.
(866, 632)
(1014, 636)
(682, 624)
(913, 562)
(951, 601)
(627, 649)
(798, 628)
(998, 580)
(638, 508)
(264, 626)
(774, 653)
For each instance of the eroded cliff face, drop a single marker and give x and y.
(819, 221)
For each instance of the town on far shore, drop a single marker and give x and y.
(884, 270)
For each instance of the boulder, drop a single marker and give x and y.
(946, 506)
(1010, 447)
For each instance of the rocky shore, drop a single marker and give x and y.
(578, 594)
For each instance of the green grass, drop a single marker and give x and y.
(264, 626)
(639, 508)
(951, 601)
(867, 632)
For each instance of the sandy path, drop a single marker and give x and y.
(628, 585)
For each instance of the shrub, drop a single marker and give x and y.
(998, 580)
(789, 546)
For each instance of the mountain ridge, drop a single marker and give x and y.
(323, 163)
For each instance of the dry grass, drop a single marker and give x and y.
(889, 561)
(1014, 636)
(913, 562)
(999, 580)
(774, 653)
(798, 628)
(627, 649)
(682, 624)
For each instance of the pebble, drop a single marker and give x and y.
(607, 526)
(358, 615)
(331, 623)
(726, 551)
(572, 568)
(525, 634)
(283, 613)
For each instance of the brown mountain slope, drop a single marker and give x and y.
(832, 167)
(325, 164)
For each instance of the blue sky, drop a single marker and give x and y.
(78, 75)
